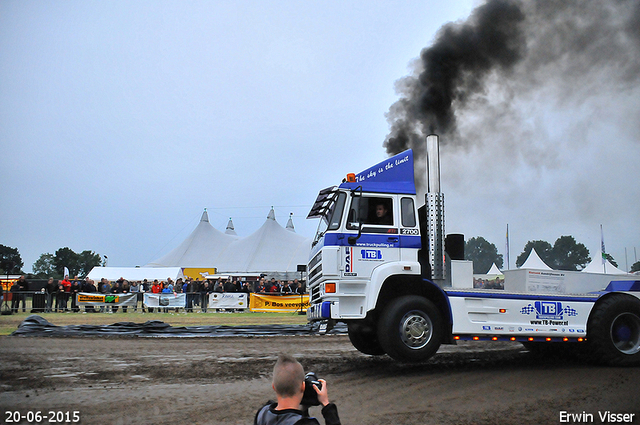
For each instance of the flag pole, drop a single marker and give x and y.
(604, 258)
(507, 248)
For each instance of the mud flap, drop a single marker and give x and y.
(326, 326)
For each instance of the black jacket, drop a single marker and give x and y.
(268, 415)
(52, 287)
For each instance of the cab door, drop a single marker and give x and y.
(375, 218)
(410, 242)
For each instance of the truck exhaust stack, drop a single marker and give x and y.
(434, 200)
(433, 163)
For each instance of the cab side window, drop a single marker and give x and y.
(370, 210)
(380, 211)
(408, 212)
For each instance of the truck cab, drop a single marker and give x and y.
(366, 233)
(368, 251)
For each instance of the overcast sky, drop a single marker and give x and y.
(120, 121)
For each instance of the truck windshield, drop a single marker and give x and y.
(332, 216)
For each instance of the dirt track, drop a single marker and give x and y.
(224, 381)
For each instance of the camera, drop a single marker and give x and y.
(310, 397)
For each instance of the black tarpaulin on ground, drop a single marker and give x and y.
(35, 325)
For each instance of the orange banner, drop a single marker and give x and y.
(275, 303)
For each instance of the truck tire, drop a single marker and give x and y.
(365, 341)
(410, 329)
(613, 331)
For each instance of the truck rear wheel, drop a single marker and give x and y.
(365, 340)
(410, 329)
(614, 331)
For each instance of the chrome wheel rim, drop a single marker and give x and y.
(416, 329)
(625, 333)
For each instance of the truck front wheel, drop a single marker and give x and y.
(614, 331)
(410, 329)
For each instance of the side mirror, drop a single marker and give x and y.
(353, 239)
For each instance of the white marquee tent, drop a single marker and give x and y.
(596, 266)
(271, 249)
(199, 249)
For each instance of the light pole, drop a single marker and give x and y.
(6, 309)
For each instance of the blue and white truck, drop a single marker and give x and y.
(381, 264)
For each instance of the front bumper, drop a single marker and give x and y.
(322, 311)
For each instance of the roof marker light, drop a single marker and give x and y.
(351, 178)
(503, 310)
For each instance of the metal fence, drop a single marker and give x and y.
(60, 302)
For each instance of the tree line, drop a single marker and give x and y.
(50, 265)
(565, 254)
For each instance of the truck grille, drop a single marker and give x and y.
(315, 268)
(315, 274)
(315, 294)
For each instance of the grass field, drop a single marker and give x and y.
(9, 323)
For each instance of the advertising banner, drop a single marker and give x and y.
(171, 300)
(93, 298)
(547, 282)
(235, 300)
(275, 303)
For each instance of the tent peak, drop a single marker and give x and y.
(230, 230)
(290, 224)
(272, 215)
(534, 261)
(205, 216)
(494, 270)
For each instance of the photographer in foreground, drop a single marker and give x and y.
(289, 384)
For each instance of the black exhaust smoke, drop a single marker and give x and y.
(452, 69)
(511, 48)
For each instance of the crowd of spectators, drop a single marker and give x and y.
(61, 295)
(495, 283)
